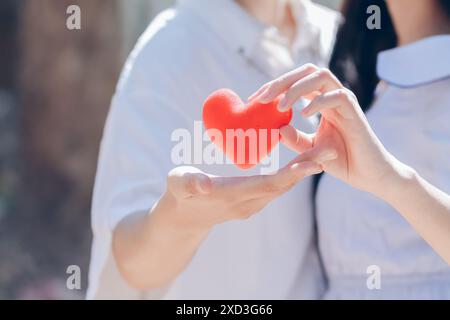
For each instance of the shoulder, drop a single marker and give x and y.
(169, 30)
(173, 37)
(152, 83)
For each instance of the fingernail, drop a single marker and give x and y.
(283, 131)
(282, 105)
(305, 111)
(314, 170)
(204, 185)
(251, 97)
(264, 97)
(307, 168)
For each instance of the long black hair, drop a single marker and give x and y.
(356, 49)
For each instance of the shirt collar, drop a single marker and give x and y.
(242, 32)
(235, 26)
(308, 29)
(419, 63)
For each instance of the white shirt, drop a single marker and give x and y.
(411, 116)
(185, 54)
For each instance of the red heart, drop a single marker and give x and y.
(224, 110)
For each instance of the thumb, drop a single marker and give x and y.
(317, 154)
(186, 182)
(296, 140)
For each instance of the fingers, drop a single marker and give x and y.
(270, 91)
(320, 81)
(186, 182)
(312, 95)
(317, 155)
(302, 143)
(258, 92)
(296, 140)
(343, 100)
(282, 181)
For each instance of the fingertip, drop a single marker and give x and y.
(313, 170)
(307, 168)
(285, 109)
(311, 96)
(283, 105)
(258, 92)
(306, 111)
(284, 129)
(204, 184)
(253, 96)
(265, 97)
(287, 133)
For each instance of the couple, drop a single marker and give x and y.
(217, 232)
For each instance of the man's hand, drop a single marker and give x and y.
(152, 249)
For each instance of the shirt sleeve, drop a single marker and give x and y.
(133, 163)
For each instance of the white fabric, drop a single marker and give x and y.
(430, 62)
(185, 54)
(358, 230)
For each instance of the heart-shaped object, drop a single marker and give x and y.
(246, 133)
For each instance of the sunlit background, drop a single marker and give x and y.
(55, 90)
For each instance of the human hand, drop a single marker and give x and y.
(362, 161)
(197, 201)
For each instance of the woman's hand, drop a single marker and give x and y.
(153, 248)
(362, 161)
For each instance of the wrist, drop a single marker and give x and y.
(167, 218)
(397, 183)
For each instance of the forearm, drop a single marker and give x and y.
(424, 206)
(150, 250)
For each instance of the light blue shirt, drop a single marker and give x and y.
(359, 233)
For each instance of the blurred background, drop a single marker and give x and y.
(55, 88)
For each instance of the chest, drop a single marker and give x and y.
(412, 125)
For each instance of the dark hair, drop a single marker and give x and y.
(355, 53)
